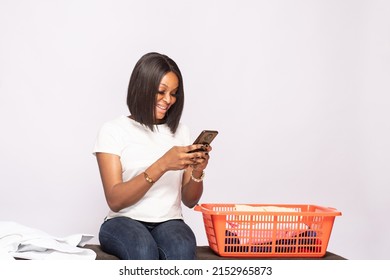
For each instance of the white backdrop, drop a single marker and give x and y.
(299, 91)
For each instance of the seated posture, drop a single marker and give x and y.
(146, 169)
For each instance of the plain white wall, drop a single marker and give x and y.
(299, 91)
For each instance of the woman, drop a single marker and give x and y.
(147, 170)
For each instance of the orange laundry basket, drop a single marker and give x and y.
(302, 232)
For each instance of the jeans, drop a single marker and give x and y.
(130, 239)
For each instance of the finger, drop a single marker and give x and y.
(201, 165)
(206, 156)
(196, 148)
(192, 161)
(201, 154)
(202, 160)
(195, 166)
(192, 155)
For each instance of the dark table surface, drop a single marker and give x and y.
(205, 253)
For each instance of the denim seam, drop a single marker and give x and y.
(163, 252)
(116, 239)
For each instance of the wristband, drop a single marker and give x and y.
(198, 180)
(148, 179)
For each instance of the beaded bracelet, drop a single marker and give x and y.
(198, 180)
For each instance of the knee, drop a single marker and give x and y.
(127, 240)
(143, 251)
(129, 249)
(179, 247)
(182, 251)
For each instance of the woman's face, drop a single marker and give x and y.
(166, 95)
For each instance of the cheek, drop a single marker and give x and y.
(158, 97)
(173, 100)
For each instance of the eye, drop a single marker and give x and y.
(161, 92)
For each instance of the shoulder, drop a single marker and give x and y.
(112, 129)
(117, 125)
(117, 122)
(110, 136)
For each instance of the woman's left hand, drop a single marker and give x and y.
(200, 163)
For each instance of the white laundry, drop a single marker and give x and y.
(19, 241)
(270, 208)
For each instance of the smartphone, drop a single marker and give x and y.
(205, 137)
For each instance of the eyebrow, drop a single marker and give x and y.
(167, 86)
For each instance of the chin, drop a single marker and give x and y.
(160, 120)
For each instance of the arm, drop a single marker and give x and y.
(121, 194)
(192, 190)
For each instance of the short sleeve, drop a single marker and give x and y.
(108, 140)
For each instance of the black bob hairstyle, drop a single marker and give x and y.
(143, 87)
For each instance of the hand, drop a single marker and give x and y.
(179, 157)
(200, 162)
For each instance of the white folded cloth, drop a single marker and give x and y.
(19, 241)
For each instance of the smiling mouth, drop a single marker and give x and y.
(164, 108)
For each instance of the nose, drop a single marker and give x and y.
(167, 98)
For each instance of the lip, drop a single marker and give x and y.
(162, 108)
(161, 111)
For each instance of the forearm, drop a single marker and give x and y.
(121, 194)
(192, 191)
(125, 194)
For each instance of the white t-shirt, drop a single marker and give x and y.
(138, 147)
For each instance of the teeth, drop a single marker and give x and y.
(161, 107)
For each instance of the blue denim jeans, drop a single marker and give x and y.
(129, 239)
